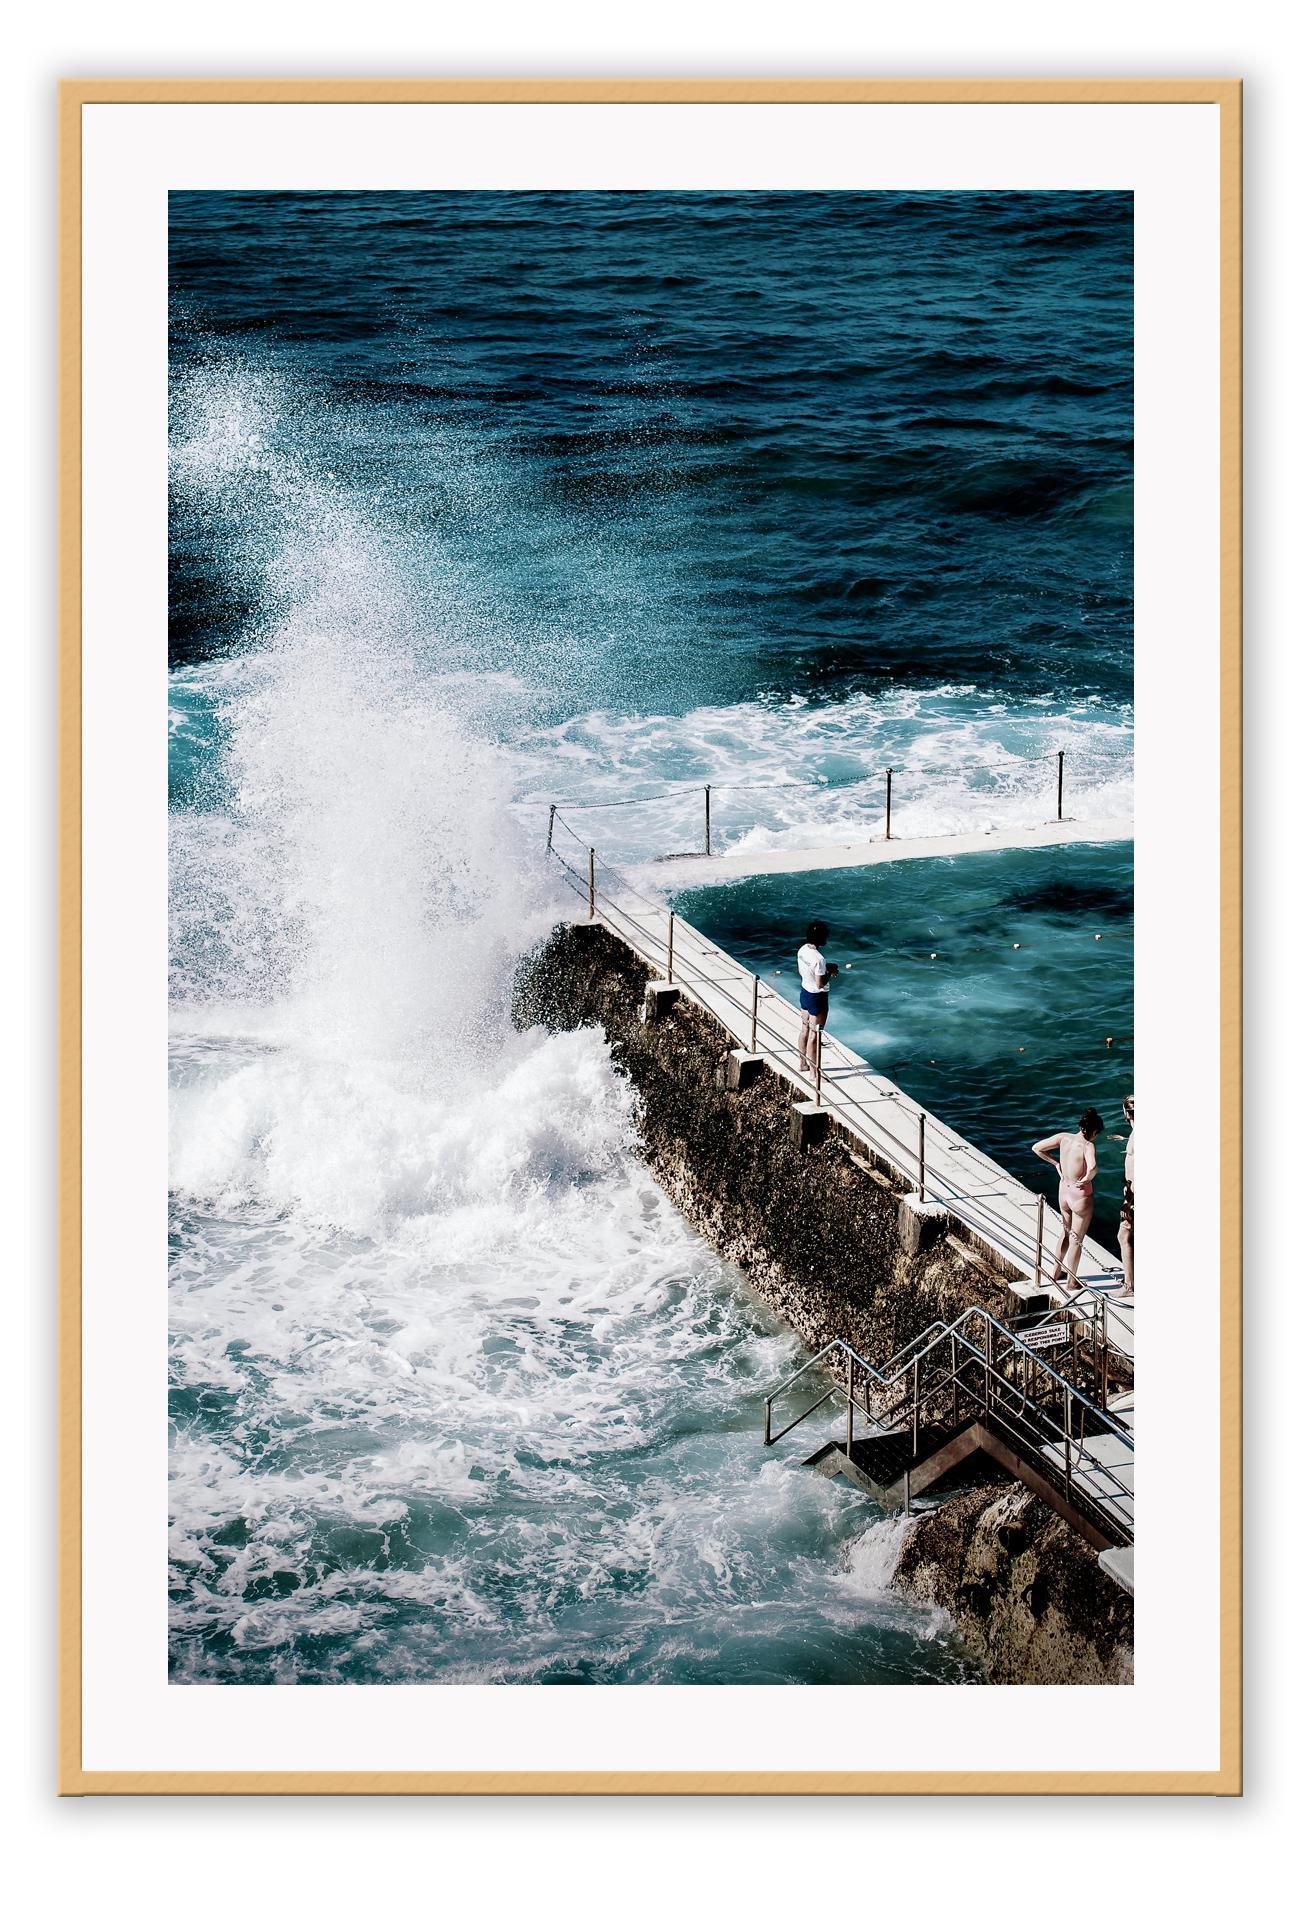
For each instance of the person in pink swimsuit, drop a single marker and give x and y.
(1076, 1162)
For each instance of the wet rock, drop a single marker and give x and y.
(816, 1233)
(1027, 1594)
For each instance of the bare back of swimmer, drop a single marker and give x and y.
(1076, 1162)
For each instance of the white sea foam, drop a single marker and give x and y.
(873, 1556)
(458, 1394)
(871, 1561)
(780, 770)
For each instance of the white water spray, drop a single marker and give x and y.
(457, 1393)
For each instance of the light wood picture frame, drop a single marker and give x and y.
(76, 1776)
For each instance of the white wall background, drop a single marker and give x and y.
(319, 1850)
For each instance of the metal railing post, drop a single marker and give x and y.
(848, 1443)
(1060, 781)
(1068, 1417)
(708, 826)
(550, 828)
(889, 803)
(591, 883)
(920, 1157)
(767, 1421)
(988, 1365)
(916, 1403)
(671, 917)
(753, 1017)
(1038, 1242)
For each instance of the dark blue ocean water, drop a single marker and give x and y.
(483, 500)
(691, 447)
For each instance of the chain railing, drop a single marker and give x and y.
(1013, 769)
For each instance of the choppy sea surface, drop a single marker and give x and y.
(480, 501)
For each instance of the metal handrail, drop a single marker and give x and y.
(1073, 1404)
(1072, 1401)
(885, 1143)
(1068, 1417)
(949, 1380)
(850, 1114)
(1021, 1349)
(895, 1368)
(849, 1111)
(1075, 1461)
(1080, 1303)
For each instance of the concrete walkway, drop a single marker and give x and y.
(960, 1179)
(679, 871)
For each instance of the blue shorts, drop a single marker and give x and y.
(814, 1003)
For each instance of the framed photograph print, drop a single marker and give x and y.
(649, 677)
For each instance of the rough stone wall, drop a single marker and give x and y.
(1028, 1597)
(816, 1235)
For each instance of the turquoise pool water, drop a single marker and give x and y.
(996, 988)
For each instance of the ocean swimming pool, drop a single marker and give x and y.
(488, 497)
(995, 988)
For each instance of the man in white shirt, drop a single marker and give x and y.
(815, 976)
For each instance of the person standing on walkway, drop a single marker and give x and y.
(1126, 1206)
(815, 976)
(1076, 1163)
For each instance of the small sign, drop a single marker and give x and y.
(1043, 1335)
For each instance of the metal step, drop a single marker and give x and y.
(975, 1388)
(885, 1467)
(1041, 1467)
(881, 1464)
